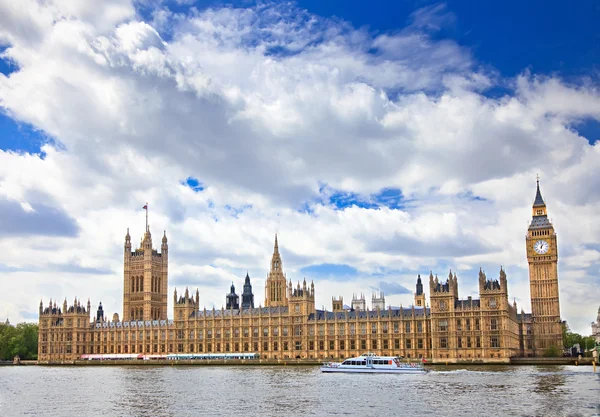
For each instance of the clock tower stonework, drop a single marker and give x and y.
(542, 256)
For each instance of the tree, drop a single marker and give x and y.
(21, 340)
(552, 352)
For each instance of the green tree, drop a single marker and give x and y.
(552, 352)
(21, 340)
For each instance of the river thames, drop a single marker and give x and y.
(296, 391)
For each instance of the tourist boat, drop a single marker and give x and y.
(371, 363)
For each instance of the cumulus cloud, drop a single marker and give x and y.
(275, 111)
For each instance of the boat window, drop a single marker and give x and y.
(363, 363)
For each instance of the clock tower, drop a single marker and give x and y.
(542, 256)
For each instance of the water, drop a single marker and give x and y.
(296, 391)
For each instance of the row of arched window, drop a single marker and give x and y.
(138, 313)
(540, 233)
(137, 284)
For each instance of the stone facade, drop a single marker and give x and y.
(596, 328)
(486, 329)
(145, 283)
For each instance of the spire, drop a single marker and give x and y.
(539, 201)
(419, 285)
(276, 249)
(164, 239)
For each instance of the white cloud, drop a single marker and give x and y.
(266, 107)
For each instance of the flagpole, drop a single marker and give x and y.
(146, 217)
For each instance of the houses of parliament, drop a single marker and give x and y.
(446, 329)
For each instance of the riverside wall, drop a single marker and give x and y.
(294, 362)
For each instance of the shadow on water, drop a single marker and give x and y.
(549, 382)
(142, 392)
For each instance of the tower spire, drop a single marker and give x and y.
(276, 249)
(539, 201)
(146, 208)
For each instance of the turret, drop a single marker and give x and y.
(337, 304)
(378, 301)
(419, 294)
(247, 296)
(232, 299)
(100, 313)
(164, 247)
(41, 307)
(359, 304)
(301, 300)
(482, 279)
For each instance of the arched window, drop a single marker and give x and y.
(132, 314)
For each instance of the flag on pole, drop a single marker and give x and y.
(145, 206)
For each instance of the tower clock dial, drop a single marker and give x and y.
(541, 247)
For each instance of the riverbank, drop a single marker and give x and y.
(295, 362)
(192, 362)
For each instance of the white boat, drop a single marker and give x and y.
(371, 363)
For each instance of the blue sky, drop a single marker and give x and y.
(544, 37)
(380, 139)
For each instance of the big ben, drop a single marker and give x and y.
(542, 256)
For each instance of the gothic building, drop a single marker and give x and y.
(448, 329)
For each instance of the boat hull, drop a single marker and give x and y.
(355, 370)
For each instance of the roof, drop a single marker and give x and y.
(539, 201)
(361, 314)
(540, 222)
(467, 303)
(237, 312)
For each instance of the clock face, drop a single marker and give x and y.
(541, 247)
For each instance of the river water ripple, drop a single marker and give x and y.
(297, 391)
